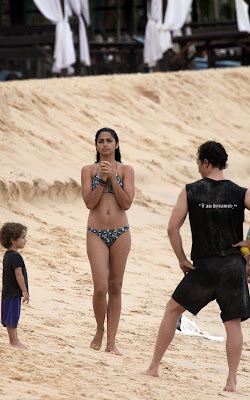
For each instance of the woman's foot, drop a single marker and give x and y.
(18, 345)
(111, 348)
(230, 385)
(96, 343)
(151, 372)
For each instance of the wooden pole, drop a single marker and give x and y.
(233, 9)
(63, 6)
(91, 27)
(118, 27)
(216, 11)
(198, 10)
(134, 18)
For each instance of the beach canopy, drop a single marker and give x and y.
(176, 15)
(152, 51)
(158, 35)
(64, 50)
(242, 15)
(80, 7)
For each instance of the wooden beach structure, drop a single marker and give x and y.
(116, 35)
(220, 42)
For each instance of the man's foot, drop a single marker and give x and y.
(18, 345)
(111, 348)
(96, 343)
(230, 385)
(151, 372)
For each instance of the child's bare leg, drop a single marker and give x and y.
(12, 332)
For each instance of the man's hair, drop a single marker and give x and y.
(214, 152)
(11, 231)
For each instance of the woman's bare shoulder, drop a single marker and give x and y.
(89, 168)
(126, 167)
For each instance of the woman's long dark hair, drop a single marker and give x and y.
(114, 134)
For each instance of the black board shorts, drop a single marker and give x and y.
(222, 279)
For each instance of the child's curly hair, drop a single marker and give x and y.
(11, 231)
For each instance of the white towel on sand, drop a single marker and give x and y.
(188, 327)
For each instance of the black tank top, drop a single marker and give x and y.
(216, 215)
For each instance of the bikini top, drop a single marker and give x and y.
(96, 178)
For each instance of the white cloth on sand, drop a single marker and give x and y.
(188, 327)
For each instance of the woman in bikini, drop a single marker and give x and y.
(108, 191)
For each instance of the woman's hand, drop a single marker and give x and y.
(106, 170)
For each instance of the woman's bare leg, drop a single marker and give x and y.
(233, 347)
(98, 254)
(118, 257)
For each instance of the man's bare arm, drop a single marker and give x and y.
(176, 221)
(246, 242)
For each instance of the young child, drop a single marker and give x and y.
(15, 280)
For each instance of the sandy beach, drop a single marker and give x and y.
(47, 130)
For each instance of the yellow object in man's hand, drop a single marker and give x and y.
(244, 250)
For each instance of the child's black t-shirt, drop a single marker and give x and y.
(10, 287)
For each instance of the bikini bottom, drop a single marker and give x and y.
(109, 236)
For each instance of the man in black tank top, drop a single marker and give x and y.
(216, 213)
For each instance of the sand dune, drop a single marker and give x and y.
(47, 132)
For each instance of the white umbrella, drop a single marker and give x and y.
(242, 15)
(157, 34)
(64, 51)
(152, 50)
(80, 8)
(176, 15)
(85, 10)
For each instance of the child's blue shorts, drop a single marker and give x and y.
(10, 311)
